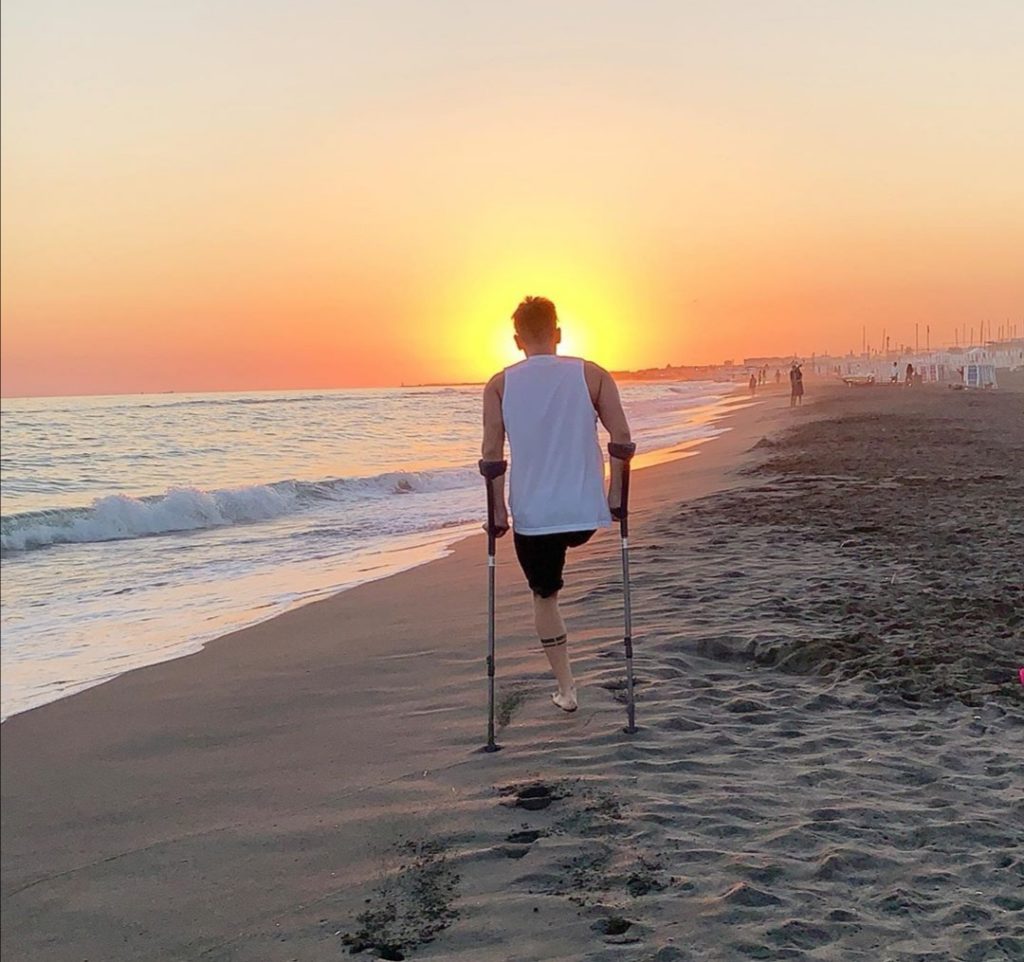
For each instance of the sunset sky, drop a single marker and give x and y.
(244, 194)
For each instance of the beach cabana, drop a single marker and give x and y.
(980, 375)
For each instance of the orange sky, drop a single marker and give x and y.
(223, 196)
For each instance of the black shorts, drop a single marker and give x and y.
(542, 557)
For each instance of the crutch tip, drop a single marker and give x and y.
(490, 748)
(630, 729)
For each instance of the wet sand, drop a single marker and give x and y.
(828, 621)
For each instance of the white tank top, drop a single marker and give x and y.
(557, 473)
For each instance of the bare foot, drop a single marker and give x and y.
(566, 702)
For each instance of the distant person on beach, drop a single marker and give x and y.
(549, 407)
(895, 376)
(796, 385)
(778, 375)
(753, 384)
(910, 374)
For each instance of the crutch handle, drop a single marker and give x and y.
(491, 470)
(623, 453)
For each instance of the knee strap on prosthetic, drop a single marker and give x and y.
(553, 642)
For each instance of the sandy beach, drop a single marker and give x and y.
(829, 621)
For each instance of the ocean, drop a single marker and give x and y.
(136, 528)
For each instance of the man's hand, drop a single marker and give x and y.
(615, 492)
(500, 521)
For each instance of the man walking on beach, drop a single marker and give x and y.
(796, 385)
(549, 406)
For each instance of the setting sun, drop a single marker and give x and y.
(597, 310)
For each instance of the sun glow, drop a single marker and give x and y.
(363, 202)
(596, 314)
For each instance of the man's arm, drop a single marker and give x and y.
(493, 447)
(605, 394)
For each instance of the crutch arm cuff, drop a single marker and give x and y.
(492, 469)
(624, 452)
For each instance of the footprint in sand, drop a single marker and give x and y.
(534, 798)
(525, 837)
(617, 686)
(510, 700)
(520, 843)
(617, 930)
(616, 925)
(411, 904)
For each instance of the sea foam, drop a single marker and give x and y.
(118, 517)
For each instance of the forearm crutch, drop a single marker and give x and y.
(624, 453)
(491, 470)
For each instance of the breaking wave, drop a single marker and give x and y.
(119, 517)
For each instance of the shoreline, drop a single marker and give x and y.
(317, 778)
(405, 553)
